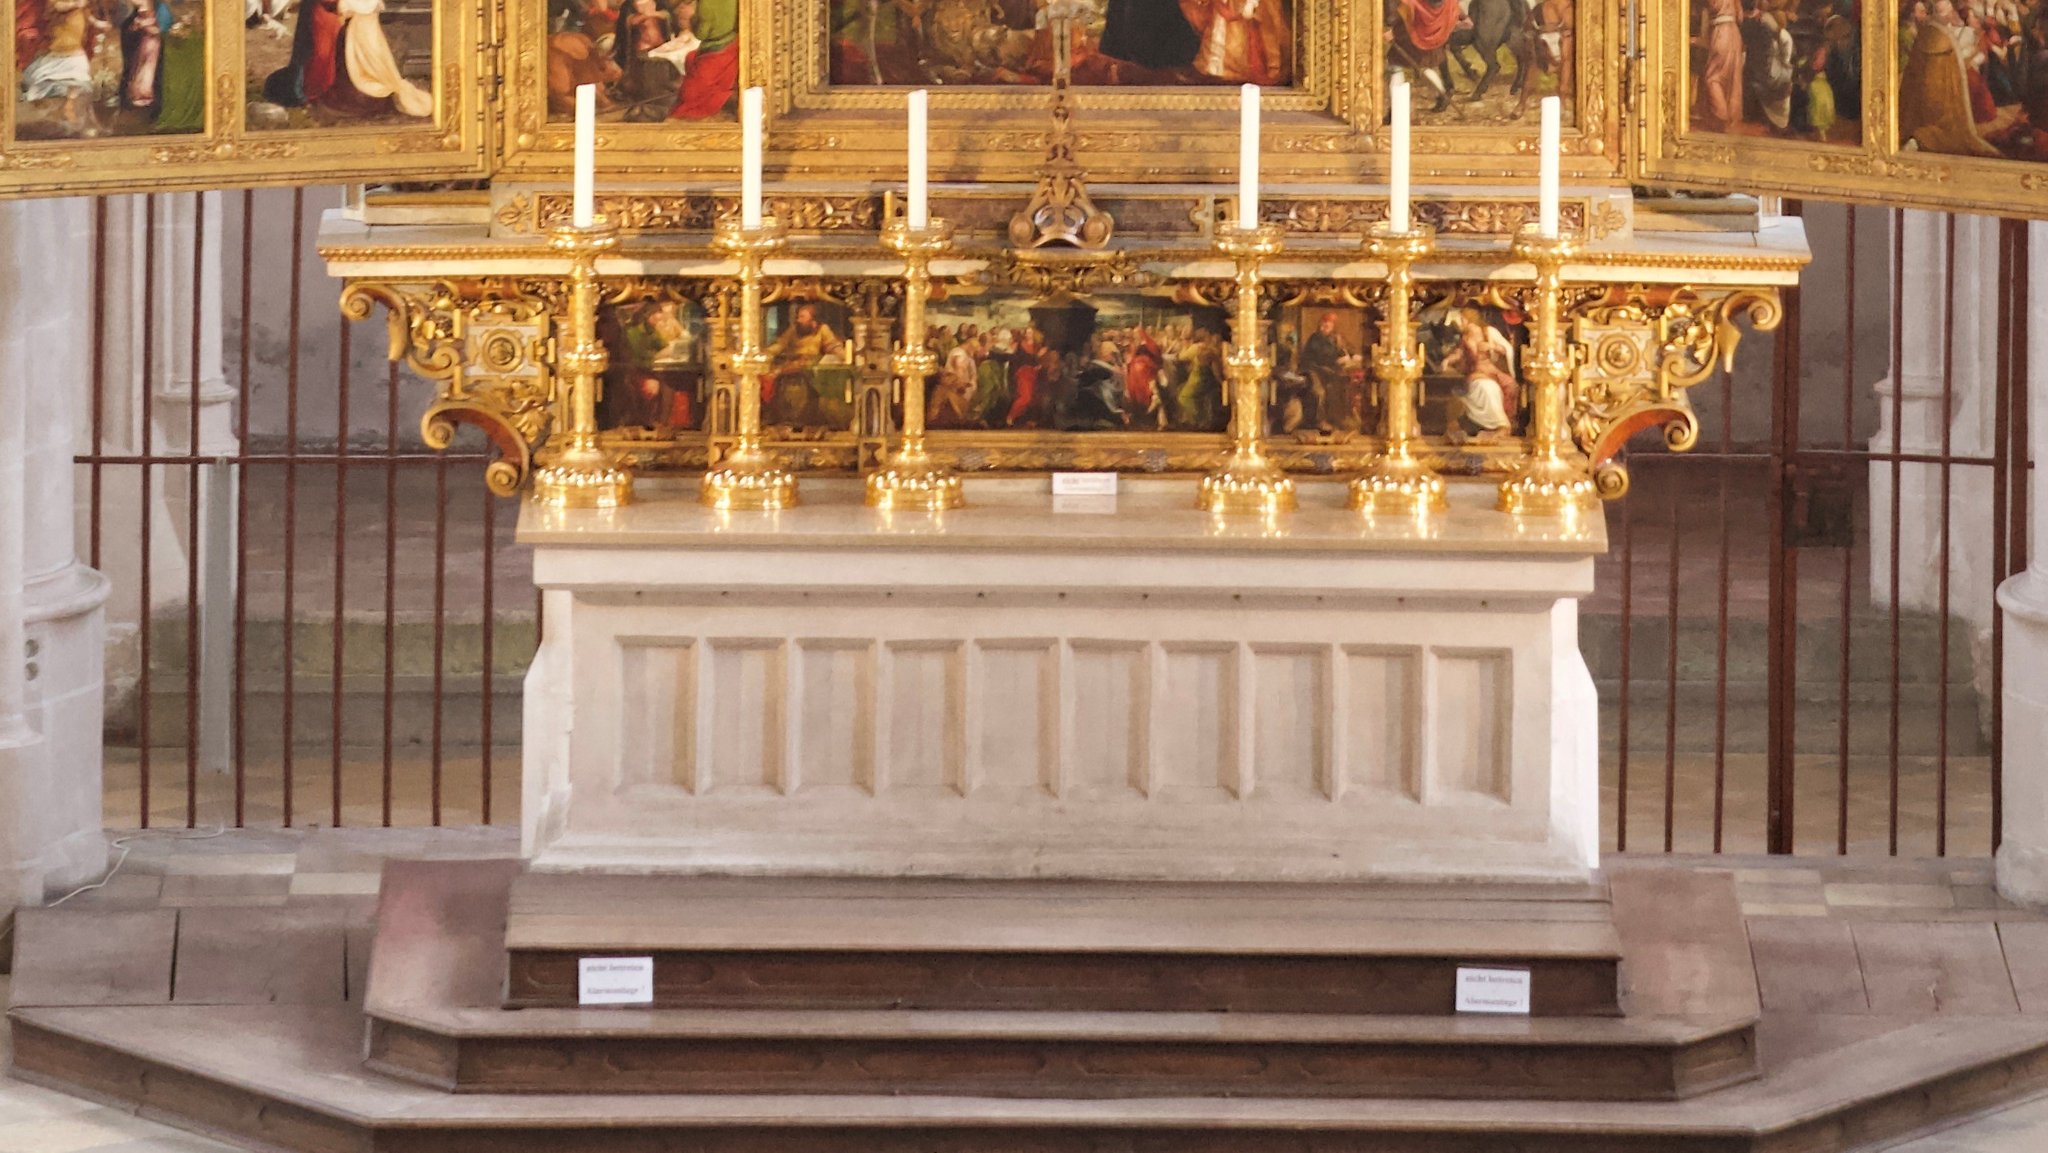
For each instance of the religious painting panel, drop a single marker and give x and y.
(814, 372)
(1126, 363)
(1928, 103)
(1322, 380)
(170, 94)
(657, 383)
(1484, 63)
(1471, 394)
(667, 74)
(1114, 43)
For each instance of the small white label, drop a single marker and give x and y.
(1493, 990)
(1084, 484)
(615, 981)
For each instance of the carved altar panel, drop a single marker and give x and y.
(168, 94)
(1925, 103)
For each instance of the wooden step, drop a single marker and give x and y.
(759, 943)
(291, 1078)
(1063, 1055)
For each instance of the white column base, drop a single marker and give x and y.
(2022, 864)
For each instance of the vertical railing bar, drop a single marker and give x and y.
(1948, 388)
(337, 634)
(146, 616)
(1848, 609)
(390, 577)
(192, 532)
(1783, 566)
(440, 621)
(2001, 436)
(1898, 440)
(99, 373)
(239, 711)
(490, 625)
(2019, 456)
(1671, 679)
(1721, 617)
(1628, 565)
(288, 676)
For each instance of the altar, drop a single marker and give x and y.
(1061, 686)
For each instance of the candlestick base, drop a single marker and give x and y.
(750, 480)
(1398, 484)
(911, 480)
(1548, 486)
(1248, 484)
(583, 477)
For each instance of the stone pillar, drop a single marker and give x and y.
(1969, 418)
(52, 632)
(2023, 855)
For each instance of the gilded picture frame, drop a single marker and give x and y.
(91, 84)
(1324, 128)
(1674, 147)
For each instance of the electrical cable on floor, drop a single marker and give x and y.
(123, 844)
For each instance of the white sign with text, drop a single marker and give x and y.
(1493, 990)
(1084, 484)
(615, 981)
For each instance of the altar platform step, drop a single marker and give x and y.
(291, 1078)
(809, 944)
(1059, 1055)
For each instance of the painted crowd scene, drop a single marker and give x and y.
(1973, 77)
(1482, 61)
(651, 60)
(1133, 364)
(93, 68)
(1112, 42)
(1790, 69)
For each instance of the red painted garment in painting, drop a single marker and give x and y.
(28, 33)
(1141, 371)
(323, 41)
(709, 80)
(1430, 22)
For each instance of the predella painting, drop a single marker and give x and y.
(1322, 377)
(1114, 43)
(652, 60)
(1483, 62)
(338, 63)
(1788, 69)
(1109, 363)
(93, 68)
(1973, 78)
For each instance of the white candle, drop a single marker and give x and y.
(750, 158)
(1248, 157)
(919, 211)
(584, 202)
(1546, 191)
(1397, 201)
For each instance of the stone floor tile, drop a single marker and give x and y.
(231, 864)
(78, 1133)
(182, 889)
(335, 884)
(1893, 896)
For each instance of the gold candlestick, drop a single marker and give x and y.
(1553, 478)
(581, 473)
(1247, 482)
(747, 477)
(910, 478)
(1396, 480)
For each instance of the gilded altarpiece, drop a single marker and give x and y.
(168, 94)
(1940, 104)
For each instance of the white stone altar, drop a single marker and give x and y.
(1129, 689)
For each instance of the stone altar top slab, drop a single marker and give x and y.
(1009, 515)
